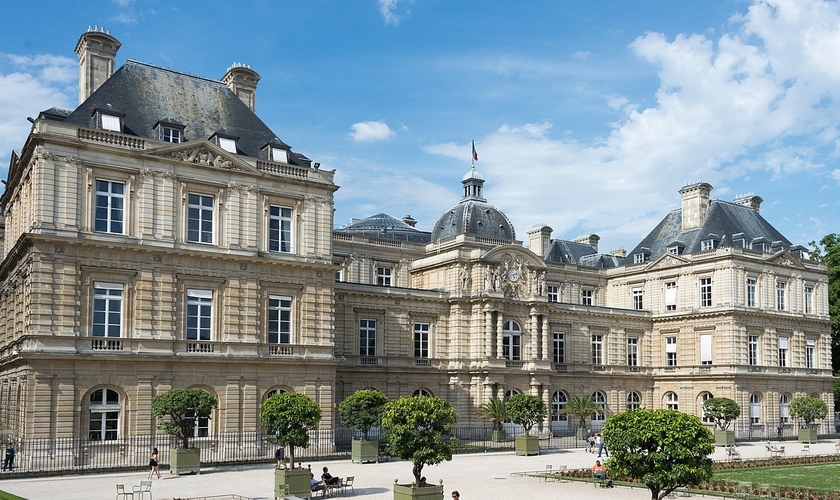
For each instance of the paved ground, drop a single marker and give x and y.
(479, 476)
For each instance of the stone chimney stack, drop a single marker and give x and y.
(539, 239)
(695, 204)
(242, 81)
(589, 239)
(97, 51)
(749, 200)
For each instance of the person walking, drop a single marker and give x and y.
(602, 448)
(153, 463)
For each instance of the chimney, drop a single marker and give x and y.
(695, 204)
(242, 81)
(97, 51)
(749, 200)
(409, 220)
(619, 252)
(539, 239)
(589, 239)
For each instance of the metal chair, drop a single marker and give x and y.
(145, 487)
(347, 482)
(122, 494)
(806, 449)
(548, 472)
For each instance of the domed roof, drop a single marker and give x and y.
(473, 215)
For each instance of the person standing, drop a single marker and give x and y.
(779, 430)
(602, 448)
(9, 461)
(153, 463)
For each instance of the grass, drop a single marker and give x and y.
(821, 477)
(9, 496)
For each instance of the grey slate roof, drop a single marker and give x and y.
(149, 94)
(724, 220)
(581, 254)
(384, 226)
(476, 218)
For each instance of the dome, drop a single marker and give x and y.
(475, 218)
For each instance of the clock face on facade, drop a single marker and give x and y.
(513, 275)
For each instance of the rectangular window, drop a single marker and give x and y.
(674, 250)
(632, 351)
(421, 340)
(597, 349)
(367, 337)
(559, 347)
(199, 315)
(705, 292)
(750, 292)
(809, 300)
(383, 276)
(512, 346)
(109, 213)
(279, 319)
(554, 294)
(586, 297)
(279, 155)
(707, 245)
(279, 229)
(199, 218)
(110, 122)
(638, 303)
(107, 310)
(780, 295)
(170, 134)
(671, 296)
(228, 145)
(705, 349)
(783, 351)
(639, 258)
(670, 351)
(809, 353)
(201, 425)
(339, 270)
(752, 353)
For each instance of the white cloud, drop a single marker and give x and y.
(371, 132)
(388, 9)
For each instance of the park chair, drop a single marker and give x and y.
(837, 447)
(145, 487)
(348, 482)
(548, 472)
(806, 449)
(122, 494)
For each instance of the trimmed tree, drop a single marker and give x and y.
(287, 419)
(664, 449)
(809, 409)
(581, 407)
(362, 410)
(495, 411)
(418, 426)
(183, 407)
(722, 411)
(526, 410)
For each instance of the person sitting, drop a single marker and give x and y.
(314, 484)
(769, 446)
(733, 452)
(598, 470)
(328, 479)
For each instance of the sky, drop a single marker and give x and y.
(586, 116)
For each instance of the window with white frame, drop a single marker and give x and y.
(110, 122)
(809, 299)
(784, 409)
(171, 134)
(783, 351)
(634, 400)
(674, 250)
(598, 349)
(702, 399)
(199, 218)
(109, 213)
(107, 310)
(383, 276)
(554, 294)
(670, 351)
(810, 344)
(559, 400)
(639, 258)
(279, 319)
(367, 337)
(755, 409)
(672, 401)
(339, 270)
(421, 340)
(705, 349)
(201, 425)
(559, 347)
(751, 292)
(780, 295)
(638, 302)
(632, 351)
(279, 229)
(104, 412)
(705, 292)
(423, 392)
(279, 155)
(272, 392)
(599, 399)
(199, 314)
(752, 350)
(671, 296)
(512, 341)
(227, 144)
(586, 297)
(707, 245)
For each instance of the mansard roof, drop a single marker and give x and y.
(384, 226)
(581, 254)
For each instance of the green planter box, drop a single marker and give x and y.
(498, 436)
(724, 438)
(527, 445)
(409, 492)
(292, 482)
(364, 451)
(185, 461)
(581, 433)
(807, 435)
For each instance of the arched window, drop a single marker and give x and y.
(272, 392)
(512, 341)
(672, 401)
(511, 392)
(423, 392)
(558, 404)
(784, 408)
(704, 396)
(104, 408)
(599, 399)
(634, 401)
(755, 408)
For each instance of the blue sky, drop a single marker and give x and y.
(587, 116)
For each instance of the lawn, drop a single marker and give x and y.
(821, 477)
(9, 496)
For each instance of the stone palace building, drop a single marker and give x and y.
(160, 236)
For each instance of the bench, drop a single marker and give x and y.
(778, 452)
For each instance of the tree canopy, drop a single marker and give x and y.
(809, 409)
(183, 407)
(287, 419)
(828, 252)
(722, 411)
(526, 410)
(664, 449)
(494, 411)
(362, 410)
(418, 426)
(582, 407)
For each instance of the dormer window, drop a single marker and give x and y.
(760, 244)
(107, 119)
(642, 256)
(707, 245)
(226, 142)
(170, 132)
(279, 155)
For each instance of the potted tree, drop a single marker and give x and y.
(184, 408)
(418, 426)
(809, 409)
(495, 411)
(363, 410)
(526, 410)
(722, 411)
(581, 407)
(287, 419)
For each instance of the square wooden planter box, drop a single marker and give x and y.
(409, 492)
(364, 451)
(527, 445)
(292, 482)
(185, 461)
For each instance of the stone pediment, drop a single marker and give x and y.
(785, 259)
(513, 271)
(203, 153)
(666, 261)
